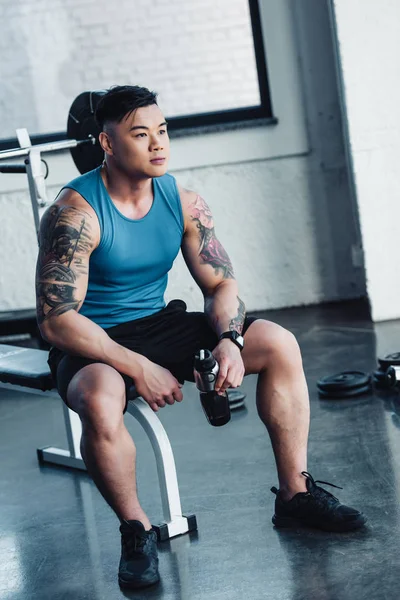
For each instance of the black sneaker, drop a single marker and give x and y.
(138, 566)
(316, 508)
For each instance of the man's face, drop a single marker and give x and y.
(139, 145)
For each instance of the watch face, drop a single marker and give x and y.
(240, 340)
(235, 337)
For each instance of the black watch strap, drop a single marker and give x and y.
(235, 337)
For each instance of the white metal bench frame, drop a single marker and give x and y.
(174, 522)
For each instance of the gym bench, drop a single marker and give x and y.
(26, 370)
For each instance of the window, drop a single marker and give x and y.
(205, 58)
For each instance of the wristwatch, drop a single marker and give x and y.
(235, 337)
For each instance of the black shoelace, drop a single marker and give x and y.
(323, 497)
(316, 490)
(134, 544)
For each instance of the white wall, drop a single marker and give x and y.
(279, 194)
(369, 48)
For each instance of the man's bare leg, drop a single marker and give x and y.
(282, 399)
(97, 394)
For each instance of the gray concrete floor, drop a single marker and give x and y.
(60, 541)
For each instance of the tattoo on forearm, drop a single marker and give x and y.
(237, 322)
(64, 238)
(211, 250)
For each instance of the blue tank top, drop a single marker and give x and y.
(128, 271)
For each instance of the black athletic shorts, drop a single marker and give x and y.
(170, 338)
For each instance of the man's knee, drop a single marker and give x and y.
(285, 347)
(279, 342)
(97, 393)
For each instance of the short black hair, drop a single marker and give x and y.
(120, 100)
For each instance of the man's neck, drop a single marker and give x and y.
(126, 189)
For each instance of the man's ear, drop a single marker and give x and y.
(106, 143)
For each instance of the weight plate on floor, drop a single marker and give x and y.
(390, 377)
(236, 399)
(341, 382)
(385, 379)
(236, 405)
(379, 376)
(345, 394)
(389, 360)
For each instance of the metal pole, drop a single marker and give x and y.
(50, 147)
(34, 158)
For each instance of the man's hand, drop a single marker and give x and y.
(231, 367)
(157, 385)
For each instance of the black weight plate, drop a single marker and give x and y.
(345, 394)
(348, 380)
(391, 378)
(236, 399)
(379, 376)
(380, 385)
(389, 360)
(236, 405)
(80, 126)
(385, 379)
(235, 395)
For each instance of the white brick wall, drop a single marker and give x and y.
(198, 55)
(287, 223)
(369, 46)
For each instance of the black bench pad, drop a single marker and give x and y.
(26, 367)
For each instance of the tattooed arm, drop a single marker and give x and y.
(66, 240)
(210, 266)
(69, 232)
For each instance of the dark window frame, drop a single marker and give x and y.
(235, 118)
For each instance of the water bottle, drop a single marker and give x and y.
(215, 406)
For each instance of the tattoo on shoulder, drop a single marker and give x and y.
(236, 324)
(64, 238)
(211, 250)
